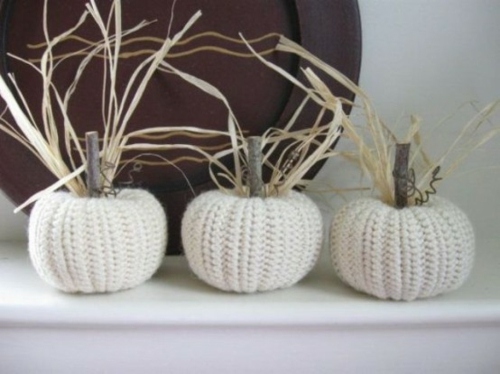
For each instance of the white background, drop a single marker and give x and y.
(424, 57)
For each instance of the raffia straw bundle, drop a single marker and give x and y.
(43, 140)
(375, 142)
(289, 165)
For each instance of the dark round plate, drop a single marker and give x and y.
(259, 97)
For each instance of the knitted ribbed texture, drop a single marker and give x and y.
(97, 244)
(251, 244)
(402, 254)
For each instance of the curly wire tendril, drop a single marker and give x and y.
(136, 168)
(108, 189)
(422, 197)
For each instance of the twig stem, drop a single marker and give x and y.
(93, 170)
(400, 173)
(255, 183)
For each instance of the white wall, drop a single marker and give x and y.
(12, 226)
(424, 57)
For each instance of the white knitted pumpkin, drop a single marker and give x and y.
(251, 244)
(402, 254)
(97, 244)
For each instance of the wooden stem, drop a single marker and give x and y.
(93, 169)
(255, 183)
(400, 173)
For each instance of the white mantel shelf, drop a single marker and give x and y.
(175, 321)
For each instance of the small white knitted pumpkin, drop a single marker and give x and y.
(82, 244)
(402, 254)
(251, 244)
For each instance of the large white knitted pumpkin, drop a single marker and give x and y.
(402, 254)
(81, 244)
(251, 244)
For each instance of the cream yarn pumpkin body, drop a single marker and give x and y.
(251, 244)
(97, 244)
(402, 254)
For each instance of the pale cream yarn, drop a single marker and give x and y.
(97, 244)
(251, 244)
(402, 254)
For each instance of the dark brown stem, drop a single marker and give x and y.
(400, 173)
(255, 183)
(93, 169)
